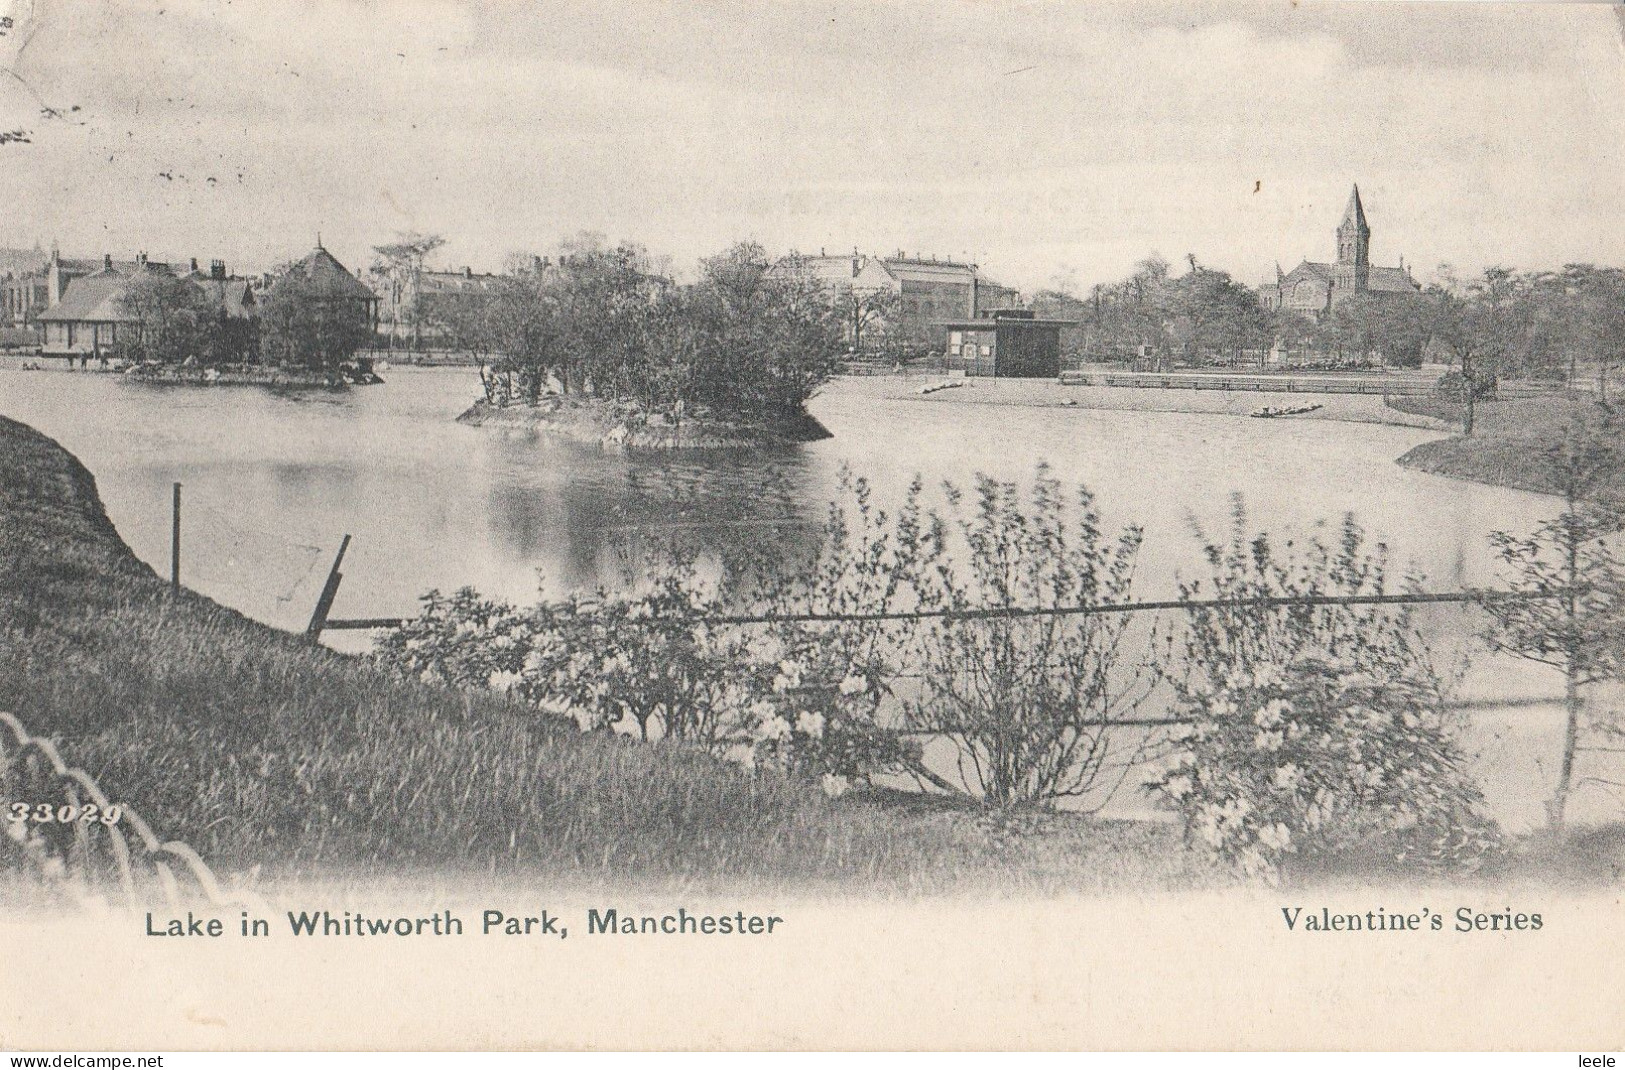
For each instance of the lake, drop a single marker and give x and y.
(273, 480)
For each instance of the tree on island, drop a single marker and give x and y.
(169, 320)
(607, 323)
(312, 323)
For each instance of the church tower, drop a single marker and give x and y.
(1353, 272)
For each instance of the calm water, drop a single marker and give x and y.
(272, 481)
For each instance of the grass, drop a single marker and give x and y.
(266, 752)
(1510, 439)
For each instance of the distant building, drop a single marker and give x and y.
(335, 280)
(1314, 289)
(1011, 343)
(407, 299)
(930, 292)
(88, 317)
(22, 285)
(231, 296)
(27, 294)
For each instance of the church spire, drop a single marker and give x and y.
(1355, 213)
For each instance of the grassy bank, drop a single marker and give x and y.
(1512, 440)
(261, 749)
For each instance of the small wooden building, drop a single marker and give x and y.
(1011, 343)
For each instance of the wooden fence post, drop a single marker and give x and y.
(175, 545)
(330, 590)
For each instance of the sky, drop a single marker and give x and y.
(1052, 143)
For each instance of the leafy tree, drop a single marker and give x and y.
(1394, 327)
(525, 326)
(1481, 323)
(1585, 314)
(869, 315)
(1211, 313)
(770, 338)
(312, 323)
(171, 320)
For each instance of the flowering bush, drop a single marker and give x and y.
(814, 721)
(645, 659)
(463, 640)
(1032, 703)
(1316, 732)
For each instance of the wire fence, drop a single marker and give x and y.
(1476, 597)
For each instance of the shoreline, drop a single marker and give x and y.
(1512, 430)
(1050, 393)
(611, 426)
(273, 377)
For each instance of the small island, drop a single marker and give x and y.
(620, 426)
(601, 348)
(302, 326)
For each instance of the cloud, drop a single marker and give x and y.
(1036, 137)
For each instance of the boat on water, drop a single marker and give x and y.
(1269, 412)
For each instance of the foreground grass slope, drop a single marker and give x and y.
(261, 749)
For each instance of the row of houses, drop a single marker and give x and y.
(75, 307)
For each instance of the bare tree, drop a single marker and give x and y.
(403, 262)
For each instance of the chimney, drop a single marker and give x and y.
(468, 272)
(107, 261)
(820, 250)
(217, 269)
(194, 265)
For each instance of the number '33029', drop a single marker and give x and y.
(66, 814)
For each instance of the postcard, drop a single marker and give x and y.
(853, 525)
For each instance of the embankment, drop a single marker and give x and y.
(261, 749)
(1049, 393)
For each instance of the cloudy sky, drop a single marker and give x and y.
(1045, 140)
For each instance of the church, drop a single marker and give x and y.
(1315, 289)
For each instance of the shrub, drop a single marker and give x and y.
(1031, 702)
(1452, 386)
(1318, 733)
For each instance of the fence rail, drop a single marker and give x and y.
(68, 852)
(1004, 612)
(1285, 384)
